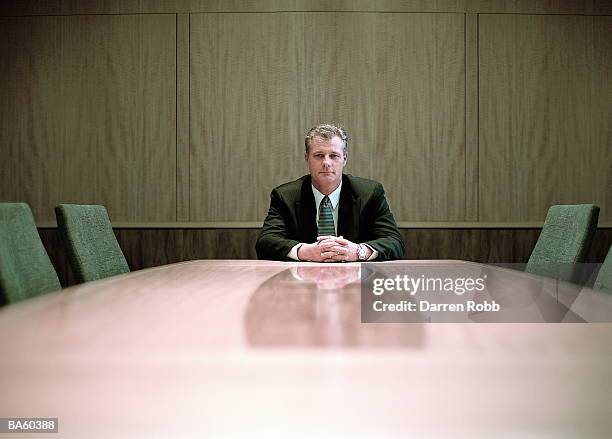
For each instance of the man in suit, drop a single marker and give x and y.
(329, 216)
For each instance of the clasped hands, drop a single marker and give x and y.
(330, 249)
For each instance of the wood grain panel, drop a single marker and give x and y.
(260, 81)
(65, 7)
(245, 137)
(478, 245)
(488, 245)
(585, 116)
(471, 117)
(397, 83)
(182, 117)
(90, 116)
(545, 114)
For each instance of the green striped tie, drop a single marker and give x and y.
(326, 218)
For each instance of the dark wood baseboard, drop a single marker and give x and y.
(145, 248)
(487, 245)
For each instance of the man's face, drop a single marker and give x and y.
(326, 159)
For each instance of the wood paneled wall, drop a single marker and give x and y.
(546, 114)
(88, 114)
(269, 77)
(191, 111)
(64, 7)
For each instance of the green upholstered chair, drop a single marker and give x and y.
(25, 268)
(604, 278)
(91, 245)
(564, 241)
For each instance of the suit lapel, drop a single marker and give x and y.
(306, 213)
(348, 212)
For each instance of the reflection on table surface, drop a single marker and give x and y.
(257, 348)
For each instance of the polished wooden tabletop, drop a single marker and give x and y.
(272, 349)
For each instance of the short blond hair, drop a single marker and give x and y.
(327, 131)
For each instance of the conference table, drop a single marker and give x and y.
(218, 348)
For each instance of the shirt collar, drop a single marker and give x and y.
(334, 197)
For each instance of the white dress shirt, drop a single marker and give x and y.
(334, 197)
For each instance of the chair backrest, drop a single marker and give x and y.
(25, 268)
(564, 241)
(91, 245)
(604, 278)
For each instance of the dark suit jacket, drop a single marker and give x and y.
(363, 217)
